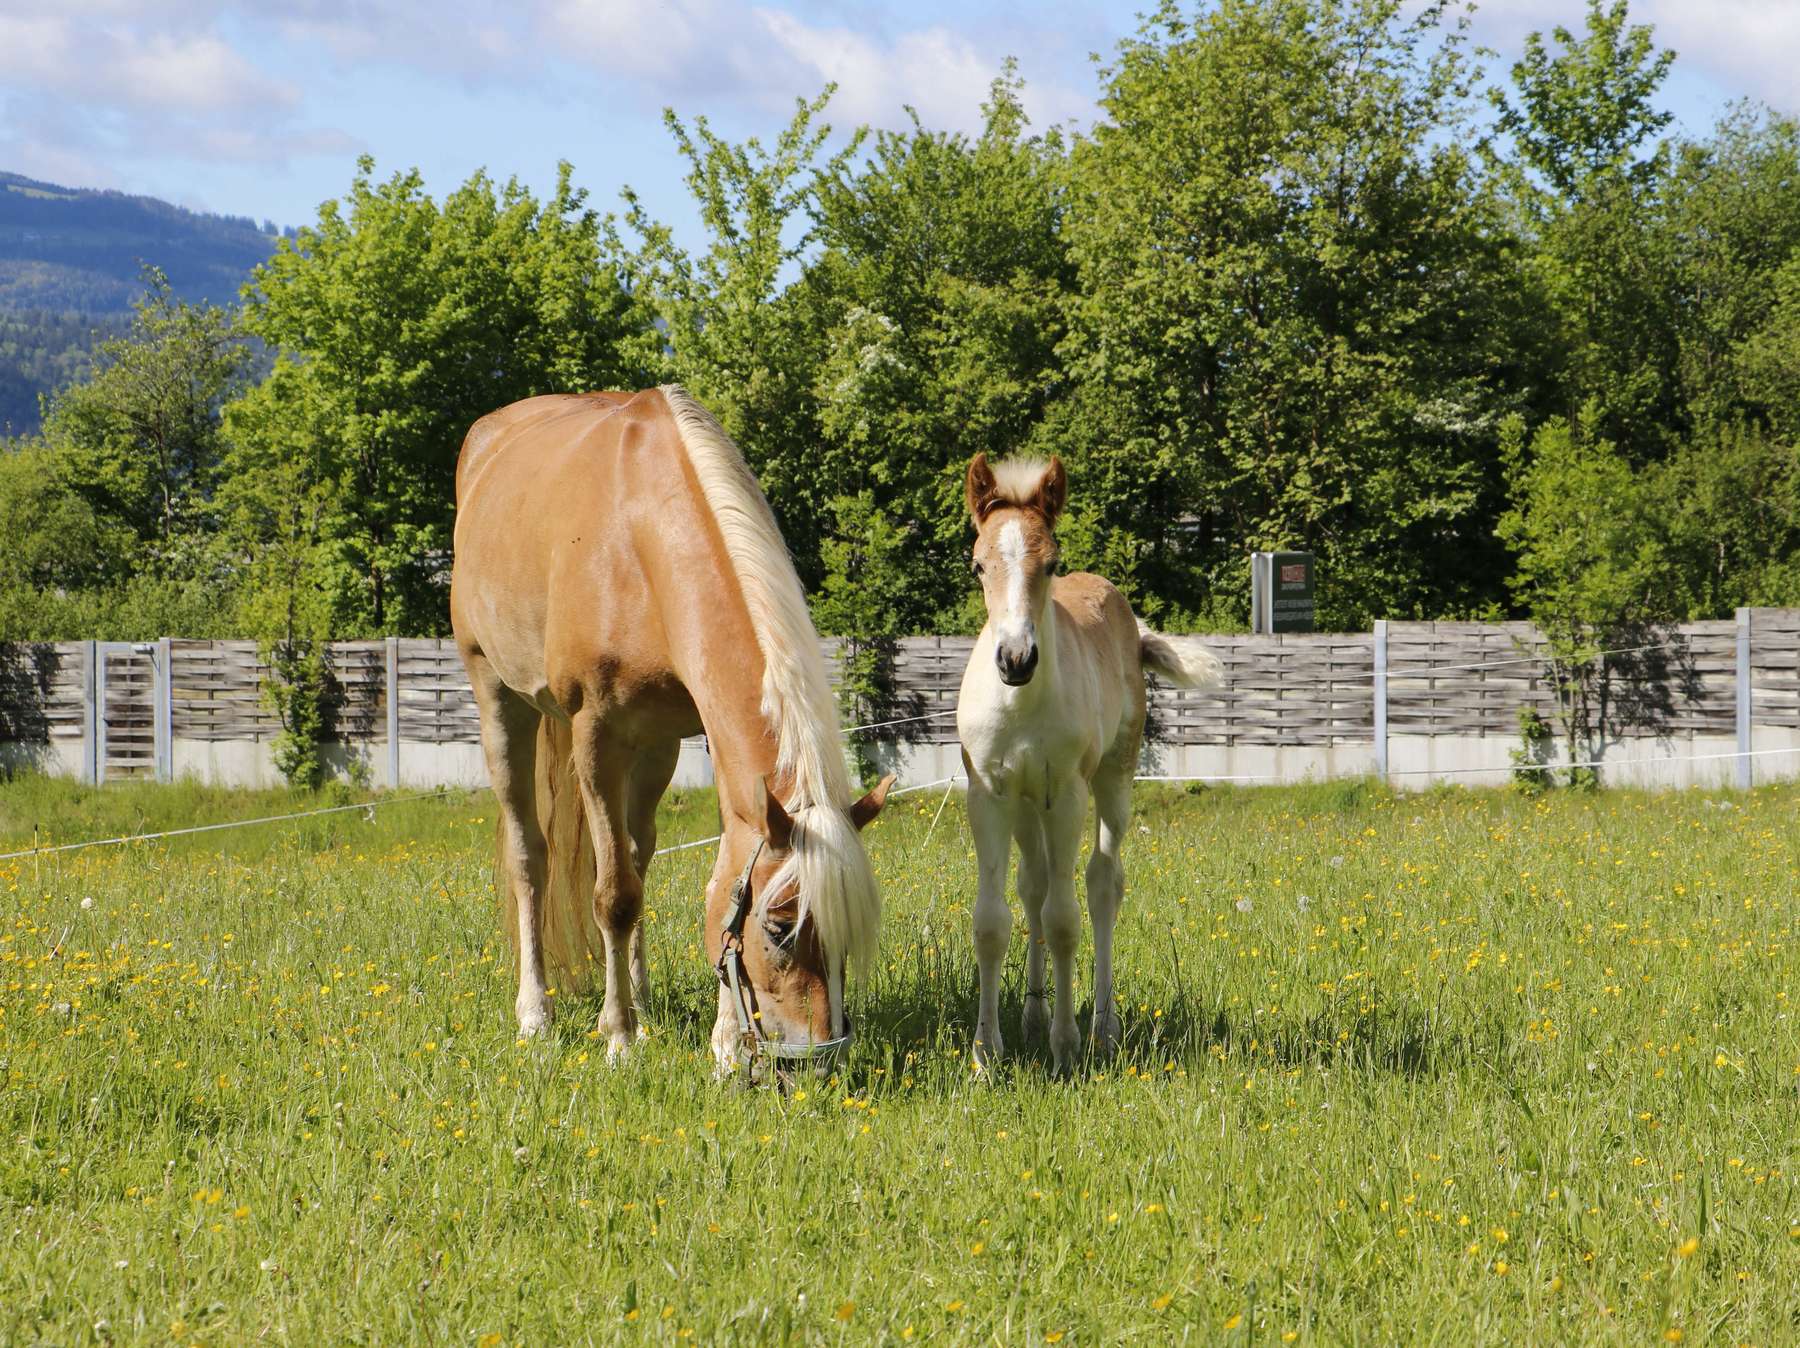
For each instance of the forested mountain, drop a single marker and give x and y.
(71, 265)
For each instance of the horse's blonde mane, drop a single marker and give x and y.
(1016, 481)
(837, 885)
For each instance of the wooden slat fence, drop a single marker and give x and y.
(1775, 667)
(1443, 679)
(215, 692)
(436, 704)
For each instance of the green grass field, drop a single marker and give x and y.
(1438, 1068)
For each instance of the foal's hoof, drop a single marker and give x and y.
(1103, 1042)
(534, 1019)
(1065, 1048)
(1036, 1019)
(988, 1050)
(619, 1041)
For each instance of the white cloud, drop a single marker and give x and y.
(1746, 47)
(190, 74)
(137, 77)
(762, 58)
(1741, 48)
(932, 70)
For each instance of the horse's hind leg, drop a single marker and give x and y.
(509, 726)
(603, 769)
(1106, 895)
(650, 775)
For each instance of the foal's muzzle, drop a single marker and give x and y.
(1017, 662)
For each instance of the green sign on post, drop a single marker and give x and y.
(1281, 592)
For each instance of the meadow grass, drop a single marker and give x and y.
(1451, 1067)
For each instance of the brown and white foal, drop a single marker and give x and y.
(1051, 712)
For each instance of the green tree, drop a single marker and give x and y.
(1732, 218)
(1586, 114)
(1592, 568)
(139, 439)
(940, 282)
(1293, 320)
(734, 333)
(1587, 176)
(397, 322)
(1728, 504)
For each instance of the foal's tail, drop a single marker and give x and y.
(567, 928)
(1180, 660)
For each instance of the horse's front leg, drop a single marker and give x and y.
(1033, 885)
(993, 918)
(1062, 916)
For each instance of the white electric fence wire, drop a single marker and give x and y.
(367, 806)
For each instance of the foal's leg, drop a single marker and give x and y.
(1106, 894)
(993, 919)
(509, 726)
(1034, 884)
(650, 775)
(1062, 917)
(603, 769)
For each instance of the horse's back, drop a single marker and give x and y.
(570, 414)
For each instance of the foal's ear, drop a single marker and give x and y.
(778, 824)
(1053, 489)
(979, 488)
(863, 813)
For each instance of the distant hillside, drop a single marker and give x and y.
(71, 263)
(69, 249)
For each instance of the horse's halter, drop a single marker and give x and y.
(737, 982)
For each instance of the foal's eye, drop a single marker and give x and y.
(975, 568)
(1055, 567)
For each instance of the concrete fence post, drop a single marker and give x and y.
(162, 692)
(1745, 775)
(1381, 696)
(90, 713)
(393, 711)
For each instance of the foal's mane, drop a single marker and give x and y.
(1016, 481)
(836, 883)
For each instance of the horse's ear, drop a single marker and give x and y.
(1053, 489)
(778, 824)
(979, 487)
(863, 813)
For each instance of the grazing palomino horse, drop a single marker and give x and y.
(619, 584)
(1051, 710)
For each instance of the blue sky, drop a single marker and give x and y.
(260, 110)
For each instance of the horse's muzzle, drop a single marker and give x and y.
(823, 1055)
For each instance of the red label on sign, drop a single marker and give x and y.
(1294, 575)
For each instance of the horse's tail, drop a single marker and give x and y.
(567, 928)
(1180, 660)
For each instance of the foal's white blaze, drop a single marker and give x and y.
(1016, 622)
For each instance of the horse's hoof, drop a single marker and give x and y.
(1036, 1019)
(533, 1020)
(1065, 1048)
